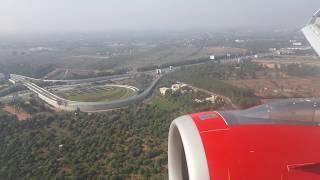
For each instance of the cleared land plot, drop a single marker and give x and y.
(286, 87)
(308, 60)
(98, 94)
(21, 115)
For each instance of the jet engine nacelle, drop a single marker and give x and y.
(279, 140)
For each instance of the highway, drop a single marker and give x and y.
(67, 105)
(124, 76)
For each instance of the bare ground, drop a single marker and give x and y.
(21, 115)
(290, 87)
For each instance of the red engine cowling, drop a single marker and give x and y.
(279, 140)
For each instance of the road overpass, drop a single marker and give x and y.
(67, 105)
(64, 104)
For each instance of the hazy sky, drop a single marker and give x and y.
(134, 15)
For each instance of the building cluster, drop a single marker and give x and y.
(212, 99)
(241, 41)
(184, 88)
(158, 71)
(292, 50)
(174, 88)
(282, 51)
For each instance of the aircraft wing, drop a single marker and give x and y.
(279, 140)
(312, 32)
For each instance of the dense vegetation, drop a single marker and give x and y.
(129, 143)
(122, 144)
(180, 63)
(117, 145)
(26, 69)
(32, 106)
(99, 74)
(1, 111)
(11, 89)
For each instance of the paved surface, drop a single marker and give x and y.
(67, 105)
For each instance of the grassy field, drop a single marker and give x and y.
(165, 104)
(100, 94)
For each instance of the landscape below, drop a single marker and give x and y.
(40, 142)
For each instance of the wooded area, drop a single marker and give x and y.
(128, 143)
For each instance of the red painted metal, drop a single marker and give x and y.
(259, 152)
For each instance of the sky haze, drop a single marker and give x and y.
(18, 16)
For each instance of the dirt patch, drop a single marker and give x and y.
(307, 60)
(281, 88)
(21, 115)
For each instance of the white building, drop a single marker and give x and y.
(212, 99)
(297, 44)
(175, 87)
(239, 41)
(198, 100)
(272, 49)
(158, 71)
(163, 90)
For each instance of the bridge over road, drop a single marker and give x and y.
(67, 105)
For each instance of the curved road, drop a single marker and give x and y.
(64, 104)
(67, 105)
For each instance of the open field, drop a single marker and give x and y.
(79, 62)
(281, 88)
(165, 103)
(308, 60)
(153, 55)
(98, 94)
(170, 54)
